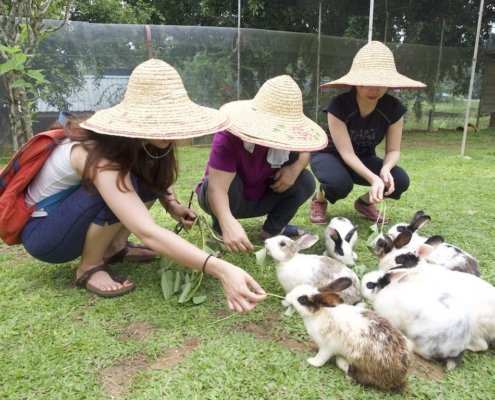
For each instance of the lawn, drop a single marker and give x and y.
(59, 342)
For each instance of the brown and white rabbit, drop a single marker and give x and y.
(295, 269)
(368, 348)
(340, 238)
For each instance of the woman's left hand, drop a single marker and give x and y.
(284, 178)
(388, 181)
(186, 216)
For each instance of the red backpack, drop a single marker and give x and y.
(14, 179)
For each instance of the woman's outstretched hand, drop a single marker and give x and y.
(241, 290)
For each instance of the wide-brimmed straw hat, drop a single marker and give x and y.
(156, 106)
(374, 65)
(275, 118)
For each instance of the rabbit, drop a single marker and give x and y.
(295, 269)
(367, 347)
(437, 323)
(400, 252)
(340, 238)
(419, 220)
(471, 292)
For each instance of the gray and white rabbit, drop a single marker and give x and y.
(439, 324)
(340, 238)
(467, 290)
(295, 269)
(404, 251)
(368, 348)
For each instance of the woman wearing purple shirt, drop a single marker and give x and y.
(258, 166)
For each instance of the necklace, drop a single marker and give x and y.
(160, 156)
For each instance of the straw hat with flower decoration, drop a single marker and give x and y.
(274, 118)
(156, 106)
(374, 65)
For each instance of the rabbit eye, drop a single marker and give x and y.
(282, 244)
(371, 285)
(401, 228)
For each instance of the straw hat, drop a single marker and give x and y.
(275, 118)
(156, 106)
(374, 65)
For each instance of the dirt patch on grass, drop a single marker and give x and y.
(269, 330)
(424, 369)
(139, 330)
(117, 378)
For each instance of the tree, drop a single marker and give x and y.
(21, 30)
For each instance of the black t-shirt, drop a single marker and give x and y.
(366, 133)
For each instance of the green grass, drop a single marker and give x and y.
(59, 342)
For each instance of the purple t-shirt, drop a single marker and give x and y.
(228, 154)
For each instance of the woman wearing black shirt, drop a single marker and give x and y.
(358, 121)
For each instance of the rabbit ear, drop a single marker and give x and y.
(396, 275)
(402, 239)
(348, 237)
(435, 240)
(420, 219)
(336, 286)
(424, 250)
(306, 241)
(334, 234)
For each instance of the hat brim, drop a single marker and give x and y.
(266, 129)
(188, 121)
(383, 78)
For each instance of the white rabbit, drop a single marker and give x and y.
(437, 323)
(294, 269)
(367, 347)
(400, 252)
(340, 238)
(471, 292)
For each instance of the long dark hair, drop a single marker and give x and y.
(125, 155)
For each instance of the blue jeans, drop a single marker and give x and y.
(59, 237)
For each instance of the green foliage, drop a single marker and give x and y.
(17, 63)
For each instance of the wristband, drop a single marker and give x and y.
(204, 264)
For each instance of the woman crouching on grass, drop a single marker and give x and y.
(106, 174)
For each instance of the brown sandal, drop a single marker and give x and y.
(82, 282)
(122, 256)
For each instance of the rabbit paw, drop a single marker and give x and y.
(315, 362)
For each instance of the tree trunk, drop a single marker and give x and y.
(20, 117)
(492, 120)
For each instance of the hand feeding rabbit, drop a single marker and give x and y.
(340, 238)
(438, 324)
(295, 269)
(367, 347)
(472, 293)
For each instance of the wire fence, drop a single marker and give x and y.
(88, 66)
